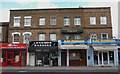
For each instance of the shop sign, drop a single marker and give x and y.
(13, 45)
(42, 43)
(104, 41)
(74, 42)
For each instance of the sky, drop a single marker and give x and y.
(6, 5)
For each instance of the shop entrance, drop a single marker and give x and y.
(104, 58)
(14, 57)
(42, 59)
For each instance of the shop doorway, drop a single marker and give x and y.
(42, 59)
(103, 58)
(10, 58)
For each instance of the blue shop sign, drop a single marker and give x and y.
(104, 41)
(73, 42)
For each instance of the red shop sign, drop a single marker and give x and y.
(5, 45)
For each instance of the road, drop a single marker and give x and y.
(60, 73)
(60, 70)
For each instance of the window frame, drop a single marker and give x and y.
(78, 19)
(41, 19)
(102, 35)
(91, 20)
(25, 20)
(16, 24)
(40, 37)
(24, 36)
(53, 19)
(76, 37)
(13, 36)
(67, 19)
(67, 35)
(92, 37)
(52, 38)
(103, 19)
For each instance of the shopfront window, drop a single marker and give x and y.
(111, 57)
(74, 56)
(3, 59)
(17, 56)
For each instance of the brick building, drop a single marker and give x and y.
(60, 24)
(4, 27)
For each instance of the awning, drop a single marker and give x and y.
(13, 46)
(74, 46)
(104, 47)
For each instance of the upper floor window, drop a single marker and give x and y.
(92, 20)
(42, 37)
(16, 21)
(52, 37)
(15, 37)
(93, 36)
(77, 37)
(77, 21)
(27, 21)
(53, 21)
(42, 21)
(66, 21)
(66, 37)
(0, 29)
(26, 37)
(104, 35)
(103, 20)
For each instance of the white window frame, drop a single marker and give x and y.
(77, 21)
(67, 19)
(93, 36)
(92, 20)
(42, 37)
(53, 37)
(41, 21)
(18, 23)
(24, 36)
(13, 36)
(53, 20)
(67, 35)
(76, 37)
(25, 19)
(102, 36)
(103, 20)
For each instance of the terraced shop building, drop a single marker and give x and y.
(59, 24)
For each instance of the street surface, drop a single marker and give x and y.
(60, 70)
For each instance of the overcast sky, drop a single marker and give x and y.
(6, 5)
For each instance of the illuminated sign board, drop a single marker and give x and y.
(104, 42)
(73, 42)
(43, 44)
(5, 45)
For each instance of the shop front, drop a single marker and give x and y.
(105, 53)
(73, 53)
(43, 53)
(13, 54)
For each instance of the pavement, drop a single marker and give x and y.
(60, 69)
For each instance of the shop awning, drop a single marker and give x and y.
(74, 47)
(104, 47)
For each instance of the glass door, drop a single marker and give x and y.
(105, 58)
(10, 57)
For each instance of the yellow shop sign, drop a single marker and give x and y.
(103, 40)
(73, 40)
